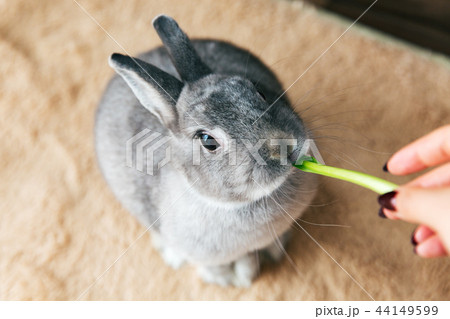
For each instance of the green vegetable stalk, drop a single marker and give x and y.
(376, 184)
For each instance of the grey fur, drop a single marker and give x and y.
(214, 215)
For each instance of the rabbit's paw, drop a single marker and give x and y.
(170, 256)
(239, 273)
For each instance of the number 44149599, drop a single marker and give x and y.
(407, 310)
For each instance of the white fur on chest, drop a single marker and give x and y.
(209, 232)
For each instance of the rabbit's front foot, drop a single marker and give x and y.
(170, 257)
(239, 273)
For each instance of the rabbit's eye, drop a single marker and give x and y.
(208, 141)
(262, 95)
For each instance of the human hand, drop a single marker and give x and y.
(425, 200)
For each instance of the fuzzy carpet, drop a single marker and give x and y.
(61, 227)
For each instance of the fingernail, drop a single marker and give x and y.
(381, 213)
(413, 239)
(388, 200)
(385, 168)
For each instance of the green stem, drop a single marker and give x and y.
(376, 184)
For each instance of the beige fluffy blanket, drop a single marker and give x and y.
(61, 227)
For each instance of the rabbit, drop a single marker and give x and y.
(209, 103)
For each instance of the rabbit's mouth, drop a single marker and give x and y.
(248, 193)
(257, 190)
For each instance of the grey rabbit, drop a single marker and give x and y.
(226, 196)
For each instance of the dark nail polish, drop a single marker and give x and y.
(381, 213)
(385, 168)
(413, 240)
(388, 200)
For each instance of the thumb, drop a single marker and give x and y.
(428, 206)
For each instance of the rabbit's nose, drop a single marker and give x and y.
(293, 156)
(281, 150)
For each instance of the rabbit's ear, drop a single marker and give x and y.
(188, 64)
(157, 90)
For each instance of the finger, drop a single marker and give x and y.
(436, 178)
(429, 206)
(390, 214)
(427, 151)
(421, 234)
(431, 247)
